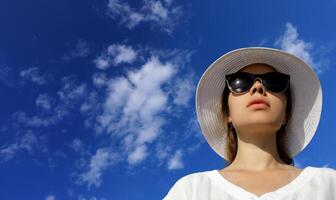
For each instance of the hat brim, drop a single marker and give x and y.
(305, 88)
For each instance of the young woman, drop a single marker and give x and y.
(258, 108)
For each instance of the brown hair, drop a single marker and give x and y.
(231, 137)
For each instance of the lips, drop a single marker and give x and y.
(258, 101)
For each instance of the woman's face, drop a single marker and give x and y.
(261, 118)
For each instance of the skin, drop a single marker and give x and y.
(257, 167)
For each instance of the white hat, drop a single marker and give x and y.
(305, 88)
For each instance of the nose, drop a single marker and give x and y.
(258, 87)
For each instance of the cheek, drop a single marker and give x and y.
(236, 106)
(279, 105)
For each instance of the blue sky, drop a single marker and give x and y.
(98, 96)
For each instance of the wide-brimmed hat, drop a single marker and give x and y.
(305, 88)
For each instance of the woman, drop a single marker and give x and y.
(258, 108)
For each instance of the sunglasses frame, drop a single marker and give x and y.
(255, 77)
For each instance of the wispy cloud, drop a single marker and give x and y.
(162, 14)
(22, 143)
(68, 97)
(291, 43)
(52, 110)
(50, 197)
(4, 72)
(100, 161)
(33, 74)
(138, 155)
(44, 101)
(298, 163)
(326, 165)
(81, 197)
(131, 110)
(115, 54)
(6, 76)
(163, 152)
(77, 145)
(175, 161)
(99, 79)
(183, 90)
(34, 121)
(81, 50)
(262, 42)
(71, 90)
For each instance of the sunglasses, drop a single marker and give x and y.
(241, 82)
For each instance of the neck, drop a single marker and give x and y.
(257, 152)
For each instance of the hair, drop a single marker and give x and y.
(231, 137)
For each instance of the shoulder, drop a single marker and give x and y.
(183, 187)
(325, 173)
(193, 178)
(324, 170)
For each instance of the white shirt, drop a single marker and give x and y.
(313, 183)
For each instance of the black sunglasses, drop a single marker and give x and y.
(241, 82)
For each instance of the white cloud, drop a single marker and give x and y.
(158, 11)
(155, 12)
(99, 162)
(291, 43)
(175, 161)
(32, 74)
(133, 105)
(121, 53)
(138, 155)
(44, 101)
(50, 197)
(102, 62)
(115, 54)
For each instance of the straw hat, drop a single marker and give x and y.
(305, 90)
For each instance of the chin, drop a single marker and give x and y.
(260, 124)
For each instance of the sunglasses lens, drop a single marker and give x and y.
(275, 82)
(240, 82)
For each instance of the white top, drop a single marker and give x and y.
(311, 184)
